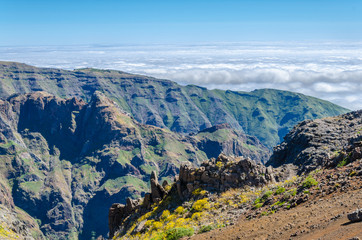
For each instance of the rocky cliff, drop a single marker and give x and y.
(65, 161)
(267, 114)
(323, 142)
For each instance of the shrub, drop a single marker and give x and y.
(196, 192)
(219, 164)
(180, 210)
(156, 225)
(258, 205)
(177, 233)
(258, 200)
(200, 205)
(278, 203)
(182, 221)
(165, 214)
(205, 228)
(293, 192)
(196, 216)
(279, 190)
(266, 195)
(344, 161)
(309, 182)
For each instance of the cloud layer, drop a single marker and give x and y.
(331, 71)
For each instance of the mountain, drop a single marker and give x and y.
(267, 114)
(309, 189)
(65, 161)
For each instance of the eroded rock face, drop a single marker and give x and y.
(118, 213)
(322, 142)
(223, 173)
(18, 224)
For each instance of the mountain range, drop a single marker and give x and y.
(74, 142)
(267, 114)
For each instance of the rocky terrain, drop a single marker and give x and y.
(267, 114)
(322, 142)
(305, 192)
(65, 161)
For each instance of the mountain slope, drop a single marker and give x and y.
(287, 201)
(267, 114)
(65, 161)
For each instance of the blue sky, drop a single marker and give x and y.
(38, 22)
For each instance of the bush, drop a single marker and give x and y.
(180, 210)
(177, 233)
(258, 205)
(165, 214)
(266, 195)
(196, 216)
(200, 205)
(156, 225)
(279, 190)
(309, 182)
(205, 228)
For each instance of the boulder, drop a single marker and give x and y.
(355, 216)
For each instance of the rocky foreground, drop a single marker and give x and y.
(310, 196)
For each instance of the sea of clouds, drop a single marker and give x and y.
(327, 70)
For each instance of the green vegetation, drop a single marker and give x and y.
(34, 187)
(206, 228)
(344, 162)
(258, 205)
(308, 182)
(177, 233)
(279, 190)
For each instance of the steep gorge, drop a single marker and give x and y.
(66, 161)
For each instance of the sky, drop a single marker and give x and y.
(35, 22)
(308, 46)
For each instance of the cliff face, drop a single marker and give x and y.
(65, 161)
(322, 142)
(267, 114)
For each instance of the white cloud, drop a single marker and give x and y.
(331, 71)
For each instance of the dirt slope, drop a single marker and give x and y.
(323, 218)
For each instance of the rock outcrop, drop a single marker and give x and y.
(221, 174)
(323, 142)
(118, 213)
(355, 216)
(215, 175)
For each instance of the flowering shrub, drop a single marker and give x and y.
(200, 205)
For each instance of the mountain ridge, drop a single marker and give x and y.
(267, 114)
